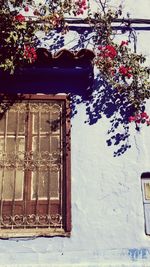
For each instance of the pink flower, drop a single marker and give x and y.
(19, 18)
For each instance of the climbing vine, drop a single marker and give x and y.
(122, 68)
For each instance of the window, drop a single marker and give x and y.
(146, 199)
(35, 166)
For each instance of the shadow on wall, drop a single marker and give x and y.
(107, 101)
(99, 98)
(78, 81)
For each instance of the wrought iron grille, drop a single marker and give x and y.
(32, 164)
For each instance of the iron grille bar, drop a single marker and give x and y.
(27, 148)
(16, 149)
(3, 170)
(37, 173)
(49, 174)
(61, 144)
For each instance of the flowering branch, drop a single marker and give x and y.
(120, 67)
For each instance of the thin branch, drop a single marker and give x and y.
(103, 5)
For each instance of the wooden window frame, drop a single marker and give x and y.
(66, 230)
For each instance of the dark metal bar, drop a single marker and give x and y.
(26, 172)
(3, 171)
(68, 167)
(85, 27)
(49, 174)
(16, 150)
(37, 172)
(61, 170)
(124, 24)
(86, 20)
(133, 21)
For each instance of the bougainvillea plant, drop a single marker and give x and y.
(123, 69)
(120, 67)
(17, 28)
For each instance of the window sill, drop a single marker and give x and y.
(33, 233)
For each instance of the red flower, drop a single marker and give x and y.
(111, 51)
(125, 71)
(19, 18)
(26, 8)
(136, 118)
(30, 53)
(131, 118)
(81, 6)
(148, 123)
(107, 51)
(123, 43)
(100, 47)
(144, 115)
(140, 118)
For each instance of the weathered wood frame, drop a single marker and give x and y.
(10, 233)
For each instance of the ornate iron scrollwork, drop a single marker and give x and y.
(31, 220)
(30, 160)
(34, 107)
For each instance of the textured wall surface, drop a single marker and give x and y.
(107, 206)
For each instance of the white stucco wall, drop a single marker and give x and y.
(107, 206)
